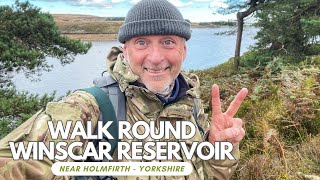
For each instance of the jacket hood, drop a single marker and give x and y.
(118, 68)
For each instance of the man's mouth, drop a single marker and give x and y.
(155, 71)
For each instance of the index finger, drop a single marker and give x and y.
(215, 101)
(235, 104)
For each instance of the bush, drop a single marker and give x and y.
(16, 107)
(256, 59)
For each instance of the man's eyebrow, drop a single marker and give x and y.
(169, 37)
(139, 38)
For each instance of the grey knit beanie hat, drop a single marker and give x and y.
(154, 17)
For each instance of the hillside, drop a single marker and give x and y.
(86, 27)
(281, 116)
(94, 28)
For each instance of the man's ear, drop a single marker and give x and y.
(184, 51)
(125, 51)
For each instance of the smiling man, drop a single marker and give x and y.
(148, 71)
(157, 60)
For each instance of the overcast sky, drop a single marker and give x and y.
(194, 10)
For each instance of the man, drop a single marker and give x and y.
(148, 71)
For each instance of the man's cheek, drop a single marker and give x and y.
(180, 51)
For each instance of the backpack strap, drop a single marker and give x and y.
(116, 96)
(109, 98)
(108, 114)
(112, 105)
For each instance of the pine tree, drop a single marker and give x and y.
(27, 37)
(243, 9)
(290, 28)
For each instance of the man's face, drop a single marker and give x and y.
(157, 60)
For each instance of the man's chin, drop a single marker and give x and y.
(156, 90)
(157, 87)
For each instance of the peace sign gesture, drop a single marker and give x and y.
(224, 127)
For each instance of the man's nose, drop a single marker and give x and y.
(155, 55)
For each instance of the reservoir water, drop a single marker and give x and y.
(205, 50)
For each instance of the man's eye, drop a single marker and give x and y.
(168, 42)
(141, 43)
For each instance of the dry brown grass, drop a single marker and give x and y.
(86, 27)
(81, 25)
(89, 27)
(303, 159)
(76, 17)
(93, 37)
(281, 115)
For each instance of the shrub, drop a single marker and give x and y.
(16, 107)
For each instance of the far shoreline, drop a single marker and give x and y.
(92, 37)
(94, 28)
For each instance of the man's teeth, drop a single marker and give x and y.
(156, 71)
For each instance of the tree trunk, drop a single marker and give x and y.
(238, 43)
(240, 21)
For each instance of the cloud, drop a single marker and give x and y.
(117, 1)
(58, 0)
(96, 3)
(202, 0)
(108, 3)
(91, 2)
(218, 4)
(179, 3)
(134, 1)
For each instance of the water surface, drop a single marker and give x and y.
(205, 50)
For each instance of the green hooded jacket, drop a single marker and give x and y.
(141, 104)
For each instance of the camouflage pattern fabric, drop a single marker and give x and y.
(78, 106)
(141, 105)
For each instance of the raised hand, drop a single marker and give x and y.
(224, 127)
